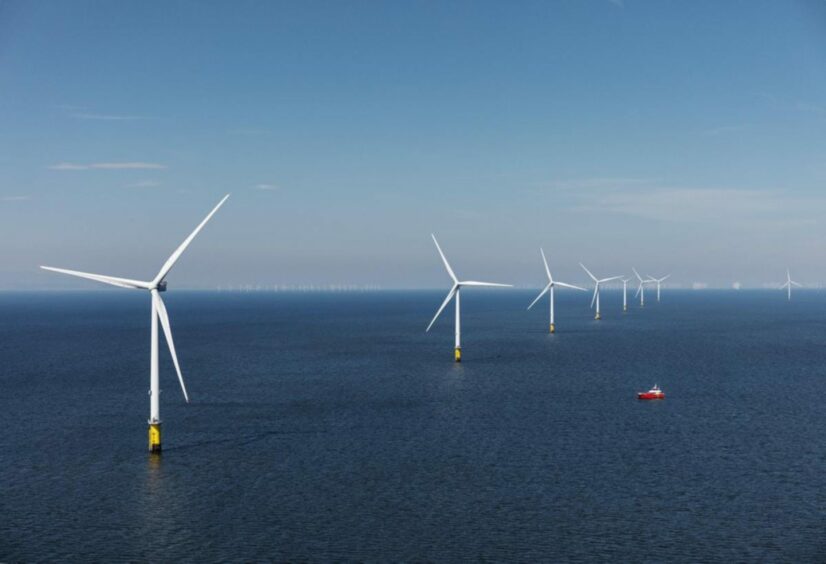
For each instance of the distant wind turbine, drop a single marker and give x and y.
(551, 285)
(625, 282)
(641, 287)
(597, 283)
(658, 282)
(155, 287)
(789, 283)
(454, 291)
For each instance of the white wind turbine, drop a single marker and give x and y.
(789, 283)
(658, 282)
(551, 284)
(597, 282)
(641, 287)
(155, 287)
(454, 291)
(625, 282)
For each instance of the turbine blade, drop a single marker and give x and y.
(444, 303)
(796, 284)
(637, 274)
(784, 286)
(542, 293)
(639, 289)
(594, 278)
(120, 282)
(444, 260)
(571, 286)
(664, 278)
(167, 331)
(596, 289)
(604, 280)
(545, 261)
(492, 284)
(170, 262)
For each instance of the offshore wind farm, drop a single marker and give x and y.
(663, 405)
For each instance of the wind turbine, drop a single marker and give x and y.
(658, 281)
(155, 287)
(551, 284)
(625, 282)
(789, 283)
(641, 287)
(597, 283)
(454, 291)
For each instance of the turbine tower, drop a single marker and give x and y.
(625, 282)
(658, 281)
(789, 283)
(454, 291)
(597, 283)
(641, 287)
(551, 285)
(155, 287)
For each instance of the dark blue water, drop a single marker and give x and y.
(331, 427)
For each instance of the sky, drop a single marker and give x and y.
(677, 137)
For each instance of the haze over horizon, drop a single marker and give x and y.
(683, 138)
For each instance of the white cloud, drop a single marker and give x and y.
(108, 166)
(68, 166)
(266, 187)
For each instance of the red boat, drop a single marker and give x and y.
(654, 393)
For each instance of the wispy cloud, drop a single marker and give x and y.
(144, 184)
(108, 166)
(266, 187)
(107, 117)
(68, 166)
(14, 198)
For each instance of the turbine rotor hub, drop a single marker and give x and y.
(161, 286)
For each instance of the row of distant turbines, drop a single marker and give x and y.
(158, 310)
(455, 293)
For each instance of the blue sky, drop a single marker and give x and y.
(683, 137)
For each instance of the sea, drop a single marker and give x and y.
(332, 427)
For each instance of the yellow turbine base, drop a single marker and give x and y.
(553, 328)
(155, 438)
(458, 354)
(624, 308)
(597, 317)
